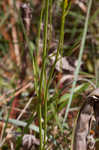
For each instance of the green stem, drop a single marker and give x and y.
(79, 61)
(35, 64)
(60, 45)
(43, 68)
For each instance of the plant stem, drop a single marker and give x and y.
(60, 45)
(42, 72)
(79, 60)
